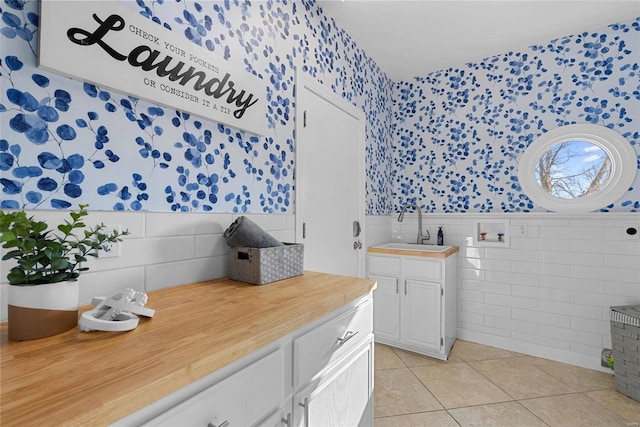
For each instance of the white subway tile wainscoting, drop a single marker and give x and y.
(549, 293)
(162, 250)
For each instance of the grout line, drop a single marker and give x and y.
(489, 379)
(518, 401)
(531, 412)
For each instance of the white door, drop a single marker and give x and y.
(329, 180)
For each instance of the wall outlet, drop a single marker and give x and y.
(522, 230)
(110, 249)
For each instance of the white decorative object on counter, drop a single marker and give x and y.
(117, 313)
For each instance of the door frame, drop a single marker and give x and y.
(305, 82)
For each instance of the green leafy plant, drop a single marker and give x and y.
(46, 256)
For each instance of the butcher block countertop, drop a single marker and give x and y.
(407, 252)
(96, 378)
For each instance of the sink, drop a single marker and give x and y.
(412, 247)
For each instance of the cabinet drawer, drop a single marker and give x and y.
(327, 343)
(422, 269)
(241, 399)
(384, 265)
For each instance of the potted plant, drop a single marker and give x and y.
(44, 290)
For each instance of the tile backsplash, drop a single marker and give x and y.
(549, 293)
(163, 250)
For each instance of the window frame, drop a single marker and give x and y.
(624, 167)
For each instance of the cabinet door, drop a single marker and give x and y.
(342, 398)
(421, 326)
(386, 308)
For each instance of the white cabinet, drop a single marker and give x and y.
(339, 398)
(320, 375)
(420, 315)
(333, 372)
(386, 308)
(415, 302)
(224, 404)
(319, 348)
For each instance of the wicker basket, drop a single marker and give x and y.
(625, 343)
(265, 265)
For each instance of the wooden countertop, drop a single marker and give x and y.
(408, 252)
(96, 378)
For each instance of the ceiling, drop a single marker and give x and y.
(413, 38)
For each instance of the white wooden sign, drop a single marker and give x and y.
(109, 45)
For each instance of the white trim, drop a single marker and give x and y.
(623, 171)
(532, 349)
(519, 215)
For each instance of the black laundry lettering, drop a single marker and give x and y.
(113, 22)
(148, 59)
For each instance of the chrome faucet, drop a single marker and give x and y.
(421, 237)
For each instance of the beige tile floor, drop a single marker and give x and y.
(487, 386)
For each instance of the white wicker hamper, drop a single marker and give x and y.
(625, 343)
(259, 266)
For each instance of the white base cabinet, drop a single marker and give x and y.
(340, 396)
(415, 302)
(321, 375)
(222, 404)
(343, 398)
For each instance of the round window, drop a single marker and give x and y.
(577, 168)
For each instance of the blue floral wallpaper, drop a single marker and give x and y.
(64, 142)
(457, 133)
(449, 140)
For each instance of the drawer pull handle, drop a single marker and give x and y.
(287, 421)
(224, 424)
(347, 337)
(305, 405)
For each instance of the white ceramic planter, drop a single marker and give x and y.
(42, 310)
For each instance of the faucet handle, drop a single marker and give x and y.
(424, 237)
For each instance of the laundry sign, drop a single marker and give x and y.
(109, 45)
